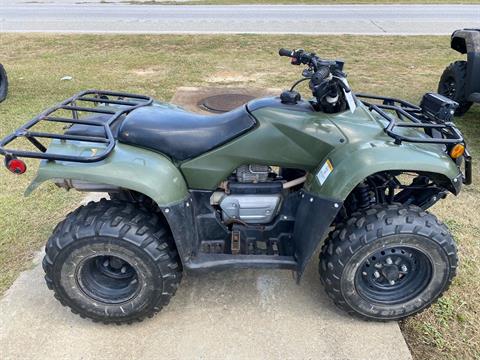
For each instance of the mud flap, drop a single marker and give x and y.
(314, 216)
(180, 218)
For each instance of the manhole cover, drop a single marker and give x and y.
(224, 102)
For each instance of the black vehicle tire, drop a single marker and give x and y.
(453, 84)
(3, 83)
(140, 200)
(111, 262)
(423, 262)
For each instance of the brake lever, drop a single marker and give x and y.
(344, 85)
(307, 73)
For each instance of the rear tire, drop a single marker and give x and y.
(3, 83)
(138, 199)
(111, 262)
(453, 84)
(388, 262)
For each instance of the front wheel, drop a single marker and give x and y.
(112, 262)
(453, 84)
(388, 262)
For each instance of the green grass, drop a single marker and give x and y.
(156, 65)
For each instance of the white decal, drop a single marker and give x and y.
(325, 170)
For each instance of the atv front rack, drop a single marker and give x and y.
(446, 132)
(86, 103)
(439, 132)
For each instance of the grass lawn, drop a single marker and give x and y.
(156, 65)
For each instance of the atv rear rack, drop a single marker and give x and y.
(446, 132)
(115, 104)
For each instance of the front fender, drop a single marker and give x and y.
(126, 167)
(353, 163)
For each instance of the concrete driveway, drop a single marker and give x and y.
(219, 315)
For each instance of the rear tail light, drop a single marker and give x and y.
(16, 166)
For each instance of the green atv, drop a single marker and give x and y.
(460, 81)
(260, 186)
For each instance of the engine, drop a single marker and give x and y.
(253, 173)
(253, 195)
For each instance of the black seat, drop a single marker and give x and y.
(180, 134)
(91, 130)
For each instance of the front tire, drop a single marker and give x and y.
(388, 262)
(112, 262)
(453, 84)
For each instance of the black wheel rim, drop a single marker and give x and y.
(108, 279)
(448, 88)
(393, 275)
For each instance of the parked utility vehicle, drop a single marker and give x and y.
(259, 186)
(460, 81)
(3, 83)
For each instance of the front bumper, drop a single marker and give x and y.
(467, 176)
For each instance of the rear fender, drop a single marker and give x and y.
(131, 168)
(467, 41)
(127, 167)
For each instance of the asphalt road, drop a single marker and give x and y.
(267, 19)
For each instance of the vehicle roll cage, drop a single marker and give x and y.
(101, 101)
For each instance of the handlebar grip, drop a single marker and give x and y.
(286, 52)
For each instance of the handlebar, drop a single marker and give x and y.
(327, 79)
(300, 56)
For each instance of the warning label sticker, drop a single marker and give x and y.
(325, 170)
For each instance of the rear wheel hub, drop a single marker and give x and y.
(108, 279)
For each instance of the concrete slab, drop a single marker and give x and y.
(219, 315)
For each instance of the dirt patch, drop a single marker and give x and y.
(156, 71)
(228, 77)
(190, 98)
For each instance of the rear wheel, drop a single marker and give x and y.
(388, 262)
(3, 83)
(453, 84)
(111, 261)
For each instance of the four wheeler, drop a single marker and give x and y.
(460, 81)
(263, 185)
(3, 83)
